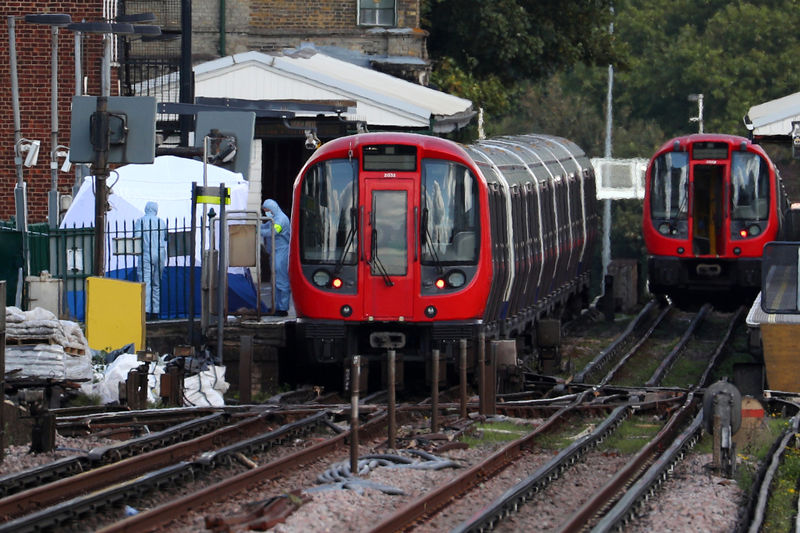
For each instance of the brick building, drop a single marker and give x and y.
(387, 31)
(33, 47)
(380, 34)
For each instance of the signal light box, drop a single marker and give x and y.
(131, 129)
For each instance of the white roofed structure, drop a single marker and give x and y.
(774, 118)
(306, 75)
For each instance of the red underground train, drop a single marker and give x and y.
(711, 203)
(411, 242)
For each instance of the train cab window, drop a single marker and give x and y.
(389, 246)
(328, 213)
(749, 187)
(669, 186)
(449, 230)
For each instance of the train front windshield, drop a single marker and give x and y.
(749, 187)
(670, 186)
(449, 228)
(328, 214)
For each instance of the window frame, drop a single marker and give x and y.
(363, 7)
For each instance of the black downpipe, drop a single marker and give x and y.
(186, 89)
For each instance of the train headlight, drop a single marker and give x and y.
(663, 228)
(440, 283)
(321, 278)
(737, 251)
(754, 229)
(456, 279)
(346, 310)
(680, 250)
(336, 283)
(742, 233)
(430, 311)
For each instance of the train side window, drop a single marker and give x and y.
(749, 187)
(669, 186)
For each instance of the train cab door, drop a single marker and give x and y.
(389, 275)
(708, 204)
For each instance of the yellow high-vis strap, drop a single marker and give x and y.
(278, 228)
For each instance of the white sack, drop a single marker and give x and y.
(117, 372)
(206, 388)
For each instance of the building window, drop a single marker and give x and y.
(376, 12)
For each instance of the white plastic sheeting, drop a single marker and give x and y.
(204, 389)
(39, 345)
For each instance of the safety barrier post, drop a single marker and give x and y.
(482, 373)
(245, 364)
(392, 413)
(462, 345)
(435, 392)
(355, 378)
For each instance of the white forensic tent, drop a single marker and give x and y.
(168, 182)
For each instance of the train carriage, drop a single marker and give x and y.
(712, 201)
(412, 242)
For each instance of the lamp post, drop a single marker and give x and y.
(699, 118)
(20, 144)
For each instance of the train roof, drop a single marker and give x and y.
(517, 157)
(426, 142)
(708, 137)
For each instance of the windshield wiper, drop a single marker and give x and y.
(429, 242)
(348, 242)
(375, 261)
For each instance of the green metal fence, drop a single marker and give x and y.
(68, 254)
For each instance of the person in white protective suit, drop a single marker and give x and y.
(279, 225)
(153, 232)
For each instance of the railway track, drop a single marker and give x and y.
(525, 478)
(679, 433)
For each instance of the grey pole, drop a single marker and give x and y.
(79, 169)
(355, 378)
(221, 282)
(392, 412)
(20, 196)
(606, 255)
(482, 372)
(52, 197)
(462, 345)
(435, 392)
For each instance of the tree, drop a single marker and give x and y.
(489, 46)
(737, 54)
(518, 39)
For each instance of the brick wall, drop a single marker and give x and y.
(34, 73)
(304, 15)
(273, 25)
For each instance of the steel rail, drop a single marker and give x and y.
(672, 356)
(440, 496)
(635, 348)
(602, 359)
(486, 518)
(763, 490)
(159, 516)
(656, 474)
(714, 359)
(611, 491)
(47, 495)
